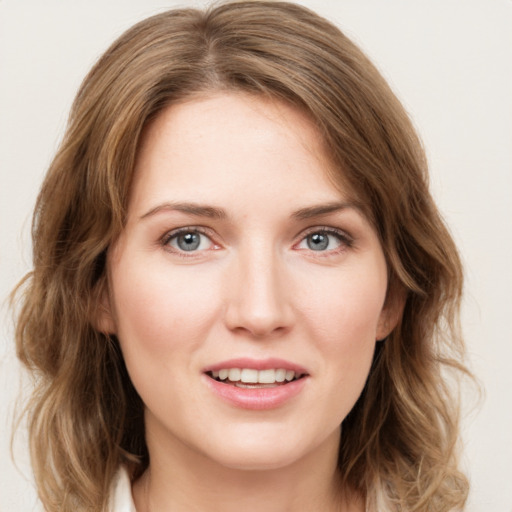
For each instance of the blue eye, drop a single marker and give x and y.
(318, 241)
(189, 241)
(324, 240)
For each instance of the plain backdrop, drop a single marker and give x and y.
(449, 61)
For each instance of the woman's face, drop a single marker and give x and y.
(246, 291)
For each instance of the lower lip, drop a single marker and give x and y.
(256, 398)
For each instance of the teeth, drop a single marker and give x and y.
(251, 376)
(280, 375)
(234, 374)
(266, 376)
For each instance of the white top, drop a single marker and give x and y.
(121, 493)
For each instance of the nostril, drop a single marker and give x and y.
(259, 305)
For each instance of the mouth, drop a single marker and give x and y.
(256, 384)
(250, 378)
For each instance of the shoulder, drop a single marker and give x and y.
(121, 493)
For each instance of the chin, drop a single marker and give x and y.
(264, 451)
(262, 460)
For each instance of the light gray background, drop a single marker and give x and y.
(449, 61)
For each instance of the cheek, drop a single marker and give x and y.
(346, 310)
(344, 321)
(159, 310)
(162, 318)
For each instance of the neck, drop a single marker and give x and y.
(180, 479)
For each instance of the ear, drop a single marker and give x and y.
(102, 312)
(391, 313)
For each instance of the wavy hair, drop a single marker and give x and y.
(399, 443)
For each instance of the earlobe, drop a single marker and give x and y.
(391, 314)
(104, 322)
(102, 316)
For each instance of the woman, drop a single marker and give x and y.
(243, 295)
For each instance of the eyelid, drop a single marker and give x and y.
(345, 238)
(173, 233)
(185, 229)
(331, 230)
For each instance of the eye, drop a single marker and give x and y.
(188, 240)
(325, 240)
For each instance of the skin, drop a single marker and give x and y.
(253, 288)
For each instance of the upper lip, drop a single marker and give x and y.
(257, 364)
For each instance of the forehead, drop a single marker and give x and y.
(233, 143)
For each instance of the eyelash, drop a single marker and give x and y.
(346, 241)
(169, 236)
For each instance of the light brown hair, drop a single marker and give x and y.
(398, 446)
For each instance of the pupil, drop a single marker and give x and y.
(188, 241)
(318, 242)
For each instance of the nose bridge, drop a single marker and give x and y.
(258, 300)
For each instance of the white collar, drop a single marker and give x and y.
(121, 493)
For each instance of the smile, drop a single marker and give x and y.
(252, 378)
(257, 384)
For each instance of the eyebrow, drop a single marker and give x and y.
(213, 212)
(323, 209)
(195, 209)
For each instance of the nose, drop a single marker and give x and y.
(258, 298)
